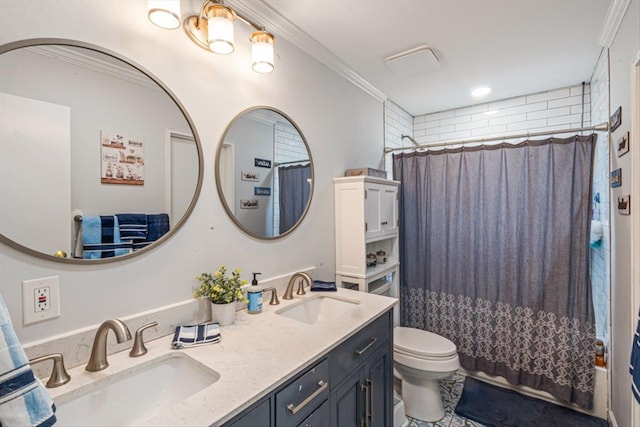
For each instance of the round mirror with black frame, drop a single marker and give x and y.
(99, 161)
(264, 173)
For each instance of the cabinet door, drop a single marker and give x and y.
(389, 209)
(378, 383)
(347, 402)
(373, 194)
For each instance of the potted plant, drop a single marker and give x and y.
(223, 292)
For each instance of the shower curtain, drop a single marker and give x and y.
(294, 190)
(494, 256)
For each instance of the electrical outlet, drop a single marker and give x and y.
(40, 299)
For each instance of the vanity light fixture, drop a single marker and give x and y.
(212, 29)
(164, 13)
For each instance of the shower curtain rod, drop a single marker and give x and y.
(290, 162)
(601, 127)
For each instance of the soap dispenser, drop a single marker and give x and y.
(254, 295)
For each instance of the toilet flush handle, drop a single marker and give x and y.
(367, 347)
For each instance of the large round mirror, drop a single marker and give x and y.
(264, 173)
(98, 159)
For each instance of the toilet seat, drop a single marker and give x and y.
(422, 344)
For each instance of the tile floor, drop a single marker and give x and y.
(450, 389)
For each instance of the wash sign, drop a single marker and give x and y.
(262, 163)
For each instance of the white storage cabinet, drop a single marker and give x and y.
(366, 214)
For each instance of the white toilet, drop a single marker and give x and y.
(420, 359)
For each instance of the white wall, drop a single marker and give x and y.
(342, 125)
(623, 51)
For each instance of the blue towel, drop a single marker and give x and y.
(192, 335)
(23, 399)
(320, 286)
(634, 367)
(133, 227)
(101, 237)
(157, 226)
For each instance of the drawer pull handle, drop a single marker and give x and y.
(361, 352)
(295, 409)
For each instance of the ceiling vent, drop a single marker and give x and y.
(419, 60)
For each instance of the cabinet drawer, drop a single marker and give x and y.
(321, 417)
(303, 395)
(350, 354)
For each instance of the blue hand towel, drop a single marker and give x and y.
(101, 237)
(320, 286)
(158, 226)
(23, 399)
(634, 367)
(192, 335)
(133, 227)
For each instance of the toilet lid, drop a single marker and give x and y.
(422, 343)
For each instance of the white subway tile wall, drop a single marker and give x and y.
(289, 147)
(397, 122)
(551, 110)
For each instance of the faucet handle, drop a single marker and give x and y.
(300, 290)
(59, 375)
(138, 349)
(274, 296)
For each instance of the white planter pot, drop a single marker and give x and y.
(224, 314)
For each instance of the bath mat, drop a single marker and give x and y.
(499, 407)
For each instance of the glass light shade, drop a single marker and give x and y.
(262, 52)
(164, 13)
(220, 33)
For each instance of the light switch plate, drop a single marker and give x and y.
(40, 299)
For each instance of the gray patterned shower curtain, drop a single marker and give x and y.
(293, 193)
(494, 256)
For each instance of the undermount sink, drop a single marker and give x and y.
(318, 307)
(130, 396)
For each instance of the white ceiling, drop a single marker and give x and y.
(514, 46)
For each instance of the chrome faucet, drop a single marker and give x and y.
(98, 359)
(288, 294)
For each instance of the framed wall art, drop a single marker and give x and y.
(122, 158)
(615, 179)
(622, 145)
(615, 120)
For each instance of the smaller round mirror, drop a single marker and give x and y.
(264, 173)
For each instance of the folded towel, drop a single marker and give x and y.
(192, 335)
(23, 399)
(158, 226)
(101, 237)
(634, 367)
(132, 226)
(320, 286)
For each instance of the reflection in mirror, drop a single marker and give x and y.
(264, 173)
(98, 160)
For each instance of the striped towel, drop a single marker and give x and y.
(193, 335)
(23, 399)
(133, 227)
(634, 367)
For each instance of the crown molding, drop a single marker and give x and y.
(111, 68)
(612, 22)
(274, 22)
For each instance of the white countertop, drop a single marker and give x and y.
(256, 354)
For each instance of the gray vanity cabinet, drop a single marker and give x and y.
(352, 385)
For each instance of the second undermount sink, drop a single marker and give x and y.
(128, 397)
(318, 307)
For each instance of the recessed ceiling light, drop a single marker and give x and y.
(491, 113)
(480, 92)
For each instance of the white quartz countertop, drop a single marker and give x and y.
(256, 354)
